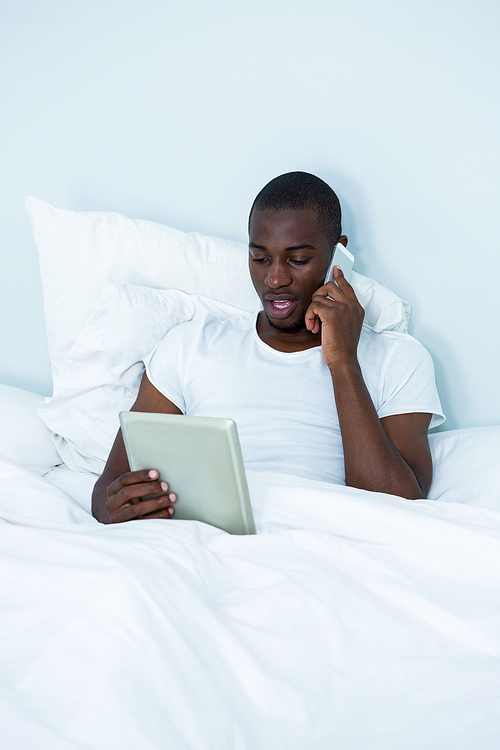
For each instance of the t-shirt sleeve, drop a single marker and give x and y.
(163, 366)
(409, 383)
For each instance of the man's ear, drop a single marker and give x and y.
(343, 240)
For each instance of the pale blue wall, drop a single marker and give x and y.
(180, 112)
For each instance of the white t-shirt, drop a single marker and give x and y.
(283, 403)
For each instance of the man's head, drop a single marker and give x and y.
(297, 190)
(294, 224)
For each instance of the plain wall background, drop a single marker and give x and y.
(180, 113)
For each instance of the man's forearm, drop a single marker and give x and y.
(371, 460)
(99, 497)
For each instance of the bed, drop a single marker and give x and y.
(352, 620)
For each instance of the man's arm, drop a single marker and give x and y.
(118, 492)
(383, 455)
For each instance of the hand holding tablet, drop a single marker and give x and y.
(200, 458)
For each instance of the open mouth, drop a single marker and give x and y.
(280, 308)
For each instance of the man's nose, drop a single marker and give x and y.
(278, 275)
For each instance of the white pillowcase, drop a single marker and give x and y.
(79, 251)
(467, 466)
(101, 375)
(24, 439)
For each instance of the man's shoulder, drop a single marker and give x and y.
(245, 320)
(200, 333)
(210, 325)
(387, 339)
(387, 345)
(215, 323)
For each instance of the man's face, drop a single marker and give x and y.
(289, 258)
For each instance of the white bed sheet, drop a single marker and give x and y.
(77, 484)
(353, 620)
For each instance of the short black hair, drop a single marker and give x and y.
(296, 190)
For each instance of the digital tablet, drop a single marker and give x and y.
(200, 458)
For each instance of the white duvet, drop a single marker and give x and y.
(352, 621)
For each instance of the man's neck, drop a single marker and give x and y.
(286, 341)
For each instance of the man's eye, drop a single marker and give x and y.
(298, 262)
(258, 260)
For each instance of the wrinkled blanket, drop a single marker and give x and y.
(352, 621)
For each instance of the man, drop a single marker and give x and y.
(313, 392)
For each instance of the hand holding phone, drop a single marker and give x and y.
(339, 317)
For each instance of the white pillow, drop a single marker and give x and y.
(467, 466)
(24, 439)
(101, 374)
(79, 251)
